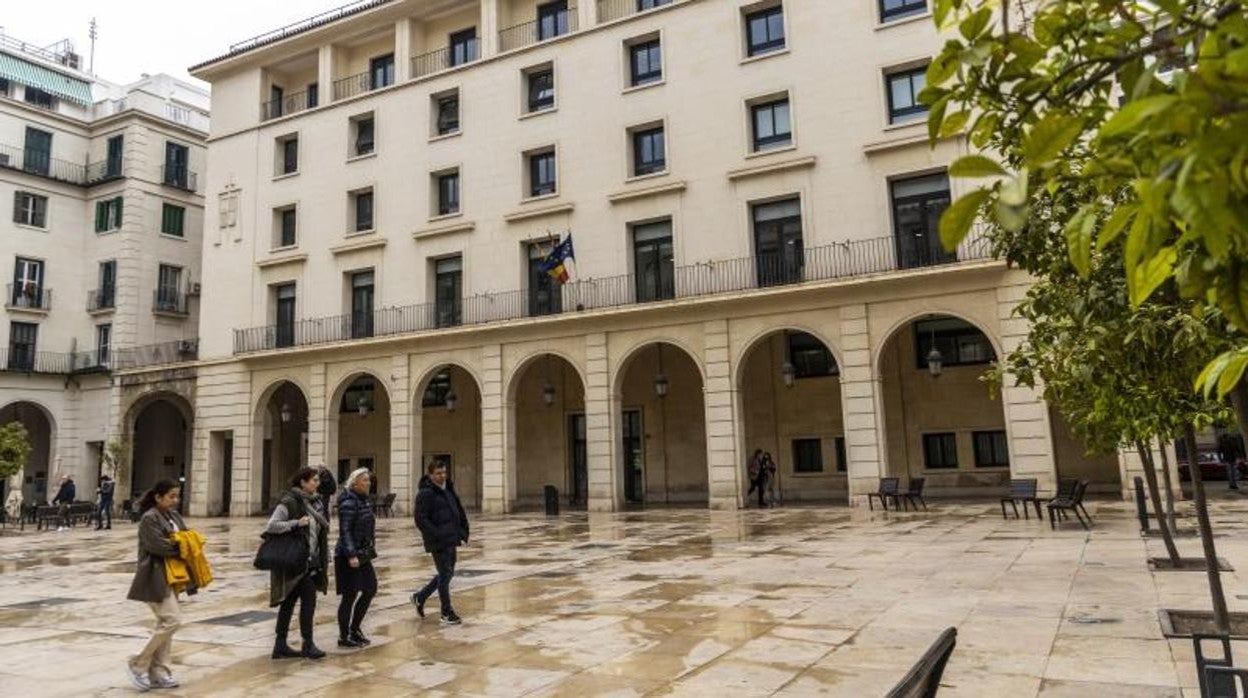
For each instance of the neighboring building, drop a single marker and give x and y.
(754, 206)
(103, 240)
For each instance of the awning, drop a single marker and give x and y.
(50, 81)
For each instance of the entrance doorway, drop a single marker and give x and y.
(634, 458)
(578, 452)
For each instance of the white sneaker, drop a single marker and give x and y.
(139, 679)
(165, 682)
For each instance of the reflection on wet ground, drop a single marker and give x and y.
(793, 602)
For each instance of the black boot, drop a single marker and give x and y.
(358, 637)
(348, 642)
(281, 650)
(310, 650)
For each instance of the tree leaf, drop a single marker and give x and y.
(1232, 373)
(976, 166)
(1113, 227)
(1048, 138)
(956, 221)
(1148, 274)
(942, 68)
(954, 124)
(936, 118)
(1134, 113)
(975, 24)
(1079, 238)
(1232, 294)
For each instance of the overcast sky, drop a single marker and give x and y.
(150, 36)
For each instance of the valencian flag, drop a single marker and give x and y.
(555, 263)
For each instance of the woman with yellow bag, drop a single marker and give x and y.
(160, 520)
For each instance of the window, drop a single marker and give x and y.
(653, 264)
(360, 392)
(541, 89)
(649, 151)
(177, 168)
(903, 88)
(807, 456)
(30, 209)
(227, 214)
(645, 62)
(112, 164)
(778, 251)
(284, 315)
(364, 128)
(446, 114)
(27, 284)
(917, 205)
(23, 336)
(37, 157)
(107, 291)
(463, 47)
(172, 220)
(168, 284)
(276, 96)
(4, 87)
(764, 31)
(991, 450)
(448, 192)
(288, 155)
(436, 391)
(381, 72)
(362, 304)
(772, 126)
(643, 5)
(542, 180)
(842, 457)
(103, 340)
(108, 215)
(545, 294)
(809, 356)
(960, 343)
(896, 9)
(363, 203)
(314, 94)
(287, 222)
(940, 451)
(552, 20)
(448, 290)
(39, 98)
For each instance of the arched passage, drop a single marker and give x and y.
(662, 427)
(160, 429)
(359, 419)
(282, 421)
(941, 421)
(41, 432)
(448, 419)
(790, 406)
(546, 441)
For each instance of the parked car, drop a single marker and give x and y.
(1211, 469)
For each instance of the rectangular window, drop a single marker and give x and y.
(541, 89)
(39, 98)
(23, 336)
(645, 62)
(30, 209)
(177, 166)
(891, 10)
(107, 290)
(276, 97)
(103, 340)
(27, 284)
(842, 456)
(363, 211)
(542, 177)
(778, 250)
(172, 220)
(168, 289)
(448, 290)
(37, 157)
(959, 342)
(284, 314)
(653, 262)
(809, 356)
(362, 300)
(287, 231)
(108, 215)
(5, 87)
(917, 205)
(649, 151)
(437, 390)
(772, 125)
(643, 5)
(940, 451)
(364, 135)
(463, 47)
(552, 20)
(447, 120)
(381, 72)
(448, 193)
(807, 456)
(545, 294)
(764, 30)
(314, 94)
(289, 155)
(991, 450)
(112, 165)
(903, 88)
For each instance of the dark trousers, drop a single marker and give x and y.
(104, 512)
(62, 511)
(444, 562)
(358, 586)
(305, 595)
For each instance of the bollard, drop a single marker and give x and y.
(552, 500)
(1141, 505)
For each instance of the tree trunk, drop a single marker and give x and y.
(1150, 477)
(1166, 480)
(1212, 570)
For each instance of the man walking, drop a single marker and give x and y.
(105, 498)
(64, 497)
(444, 527)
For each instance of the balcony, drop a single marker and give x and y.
(29, 297)
(858, 258)
(289, 104)
(166, 301)
(179, 177)
(541, 29)
(611, 10)
(21, 359)
(165, 353)
(445, 58)
(106, 171)
(38, 162)
(101, 300)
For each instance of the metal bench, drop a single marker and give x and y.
(889, 486)
(1072, 503)
(923, 679)
(912, 494)
(1022, 490)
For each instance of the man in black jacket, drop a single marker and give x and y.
(104, 496)
(64, 497)
(444, 527)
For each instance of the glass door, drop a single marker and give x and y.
(917, 205)
(634, 458)
(578, 448)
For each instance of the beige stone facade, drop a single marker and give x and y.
(768, 283)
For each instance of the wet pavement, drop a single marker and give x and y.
(786, 602)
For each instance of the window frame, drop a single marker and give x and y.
(771, 45)
(940, 440)
(959, 337)
(996, 449)
(652, 75)
(287, 214)
(30, 209)
(537, 187)
(109, 214)
(169, 215)
(804, 369)
(384, 62)
(802, 467)
(557, 14)
(467, 40)
(663, 285)
(909, 8)
(915, 112)
(775, 141)
(439, 107)
(361, 147)
(288, 159)
(359, 196)
(448, 200)
(642, 168)
(534, 101)
(451, 316)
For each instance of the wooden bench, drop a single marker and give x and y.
(923, 679)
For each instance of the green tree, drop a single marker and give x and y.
(114, 457)
(14, 449)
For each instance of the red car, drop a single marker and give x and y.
(1211, 469)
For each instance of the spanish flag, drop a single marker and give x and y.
(555, 262)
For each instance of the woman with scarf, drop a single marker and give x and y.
(298, 510)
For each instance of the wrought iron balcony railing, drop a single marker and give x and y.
(610, 10)
(540, 29)
(28, 297)
(23, 359)
(104, 171)
(164, 353)
(179, 177)
(358, 84)
(288, 104)
(444, 58)
(101, 299)
(856, 258)
(170, 301)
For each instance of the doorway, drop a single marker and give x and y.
(634, 458)
(578, 453)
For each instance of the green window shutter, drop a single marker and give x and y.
(17, 207)
(39, 207)
(101, 213)
(118, 200)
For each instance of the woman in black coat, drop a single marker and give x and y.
(353, 558)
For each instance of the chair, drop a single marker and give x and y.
(386, 508)
(923, 679)
(888, 489)
(1216, 676)
(1073, 503)
(1025, 491)
(912, 494)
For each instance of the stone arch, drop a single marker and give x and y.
(542, 438)
(278, 447)
(365, 443)
(450, 436)
(157, 449)
(629, 354)
(36, 476)
(911, 317)
(527, 362)
(752, 343)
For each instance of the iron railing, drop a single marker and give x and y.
(28, 297)
(444, 58)
(25, 360)
(353, 85)
(609, 10)
(179, 177)
(164, 353)
(542, 29)
(829, 262)
(289, 104)
(103, 171)
(101, 299)
(39, 162)
(167, 300)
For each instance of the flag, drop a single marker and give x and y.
(555, 262)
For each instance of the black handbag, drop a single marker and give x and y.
(283, 552)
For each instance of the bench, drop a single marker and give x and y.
(923, 679)
(1022, 490)
(1072, 502)
(889, 486)
(912, 494)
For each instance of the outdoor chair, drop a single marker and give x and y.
(1022, 490)
(386, 508)
(889, 487)
(923, 679)
(1215, 675)
(912, 494)
(1072, 503)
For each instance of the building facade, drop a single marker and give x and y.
(104, 241)
(753, 204)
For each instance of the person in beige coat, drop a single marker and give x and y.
(150, 667)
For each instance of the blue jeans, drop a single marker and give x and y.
(444, 562)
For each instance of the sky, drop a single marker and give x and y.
(151, 36)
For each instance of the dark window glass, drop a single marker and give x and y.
(177, 171)
(765, 30)
(103, 341)
(903, 95)
(4, 87)
(643, 5)
(27, 283)
(288, 229)
(314, 94)
(168, 283)
(896, 9)
(772, 125)
(364, 136)
(646, 62)
(23, 336)
(108, 284)
(940, 450)
(810, 358)
(991, 450)
(108, 214)
(359, 392)
(39, 98)
(38, 155)
(917, 205)
(290, 155)
(381, 71)
(285, 315)
(545, 294)
(362, 304)
(541, 90)
(276, 97)
(112, 166)
(448, 290)
(463, 46)
(542, 174)
(842, 457)
(30, 209)
(649, 151)
(653, 262)
(448, 194)
(552, 20)
(807, 456)
(363, 211)
(960, 343)
(778, 242)
(436, 391)
(448, 114)
(172, 220)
